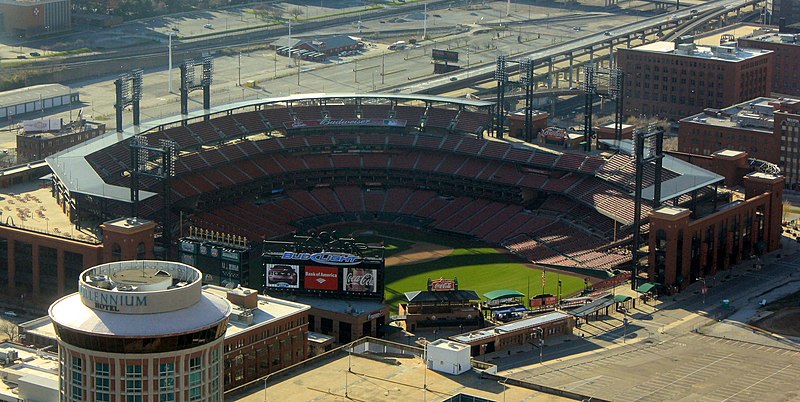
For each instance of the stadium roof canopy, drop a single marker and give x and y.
(690, 177)
(502, 294)
(422, 296)
(74, 172)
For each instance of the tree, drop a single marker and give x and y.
(9, 330)
(295, 12)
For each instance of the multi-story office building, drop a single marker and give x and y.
(786, 71)
(674, 81)
(747, 126)
(765, 128)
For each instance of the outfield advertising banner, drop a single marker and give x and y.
(360, 280)
(283, 276)
(333, 273)
(321, 278)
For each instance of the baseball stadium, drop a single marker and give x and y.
(272, 168)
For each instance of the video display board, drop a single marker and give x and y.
(220, 264)
(331, 273)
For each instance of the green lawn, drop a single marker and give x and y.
(477, 266)
(481, 269)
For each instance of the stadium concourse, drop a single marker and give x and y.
(269, 168)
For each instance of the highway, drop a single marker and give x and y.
(542, 55)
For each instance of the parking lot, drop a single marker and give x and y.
(693, 367)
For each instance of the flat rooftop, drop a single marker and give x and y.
(269, 309)
(349, 307)
(756, 116)
(35, 92)
(512, 326)
(31, 366)
(702, 52)
(772, 35)
(372, 380)
(32, 207)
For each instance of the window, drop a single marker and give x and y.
(102, 382)
(77, 379)
(195, 378)
(116, 252)
(133, 380)
(140, 251)
(166, 382)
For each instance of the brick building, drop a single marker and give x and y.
(687, 245)
(47, 265)
(674, 82)
(36, 145)
(765, 128)
(746, 127)
(263, 335)
(786, 9)
(786, 71)
(25, 18)
(515, 333)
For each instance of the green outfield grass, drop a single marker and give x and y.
(481, 269)
(477, 266)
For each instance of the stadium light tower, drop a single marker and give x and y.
(647, 148)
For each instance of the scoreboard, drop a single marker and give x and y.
(220, 263)
(328, 271)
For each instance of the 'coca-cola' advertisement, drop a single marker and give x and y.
(360, 280)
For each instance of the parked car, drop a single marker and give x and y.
(35, 54)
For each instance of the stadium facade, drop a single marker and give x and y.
(271, 168)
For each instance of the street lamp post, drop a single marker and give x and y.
(169, 71)
(625, 325)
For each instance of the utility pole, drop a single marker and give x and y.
(169, 68)
(383, 67)
(239, 82)
(425, 22)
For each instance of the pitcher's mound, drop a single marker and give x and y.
(785, 322)
(418, 253)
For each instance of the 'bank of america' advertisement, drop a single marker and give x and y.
(321, 278)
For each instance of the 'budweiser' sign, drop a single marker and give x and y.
(442, 284)
(328, 122)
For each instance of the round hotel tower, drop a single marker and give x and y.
(141, 331)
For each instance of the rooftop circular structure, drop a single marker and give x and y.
(126, 299)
